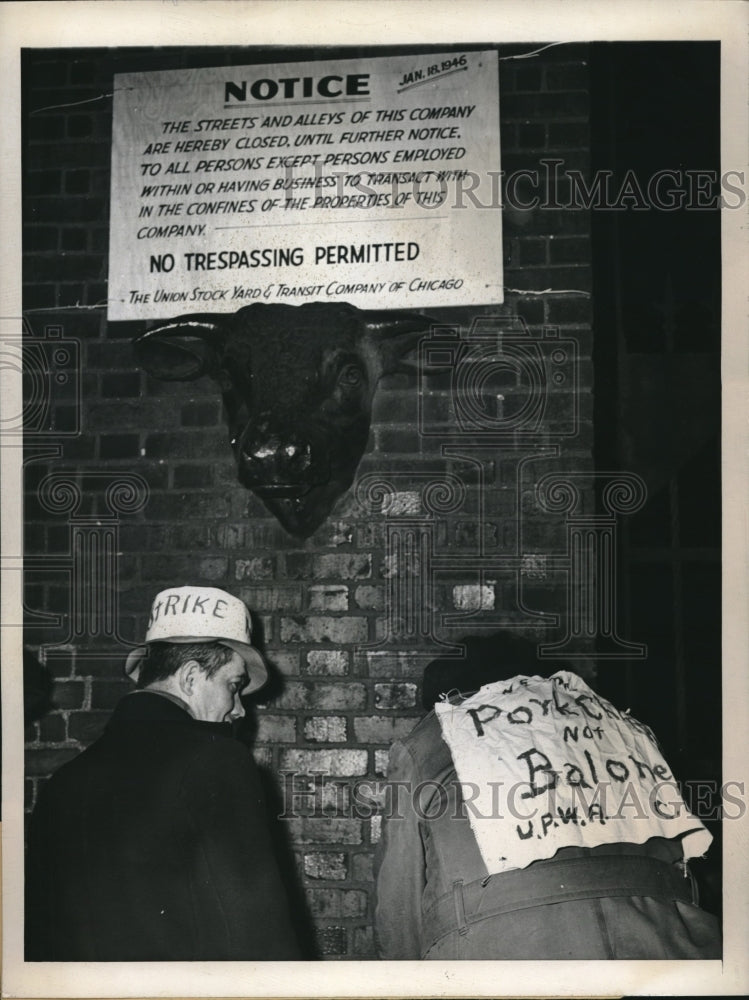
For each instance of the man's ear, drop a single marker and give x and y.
(187, 675)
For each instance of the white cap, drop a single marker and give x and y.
(201, 614)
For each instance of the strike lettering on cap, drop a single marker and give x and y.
(191, 604)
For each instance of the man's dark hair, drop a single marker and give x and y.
(495, 657)
(165, 658)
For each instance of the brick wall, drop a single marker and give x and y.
(347, 670)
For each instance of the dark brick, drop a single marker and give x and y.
(99, 237)
(175, 506)
(43, 182)
(272, 598)
(136, 537)
(202, 414)
(96, 294)
(79, 126)
(337, 903)
(100, 182)
(532, 251)
(362, 868)
(573, 310)
(321, 696)
(193, 475)
(186, 444)
(71, 294)
(394, 406)
(363, 943)
(568, 135)
(46, 128)
(275, 729)
(120, 330)
(528, 78)
(518, 106)
(38, 296)
(190, 536)
(106, 355)
(48, 74)
(344, 630)
(531, 310)
(573, 76)
(569, 249)
(335, 831)
(563, 278)
(334, 566)
(57, 539)
(531, 136)
(163, 566)
(74, 240)
(77, 182)
(573, 105)
(40, 238)
(119, 446)
(121, 384)
(52, 729)
(65, 419)
(71, 209)
(403, 440)
(382, 729)
(63, 267)
(82, 71)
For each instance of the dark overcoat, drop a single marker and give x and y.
(153, 845)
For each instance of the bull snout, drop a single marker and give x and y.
(279, 463)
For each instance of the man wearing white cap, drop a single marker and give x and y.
(153, 844)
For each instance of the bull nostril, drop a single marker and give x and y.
(279, 461)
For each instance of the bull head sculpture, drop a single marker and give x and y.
(297, 385)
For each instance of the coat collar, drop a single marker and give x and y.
(150, 706)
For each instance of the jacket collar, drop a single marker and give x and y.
(153, 707)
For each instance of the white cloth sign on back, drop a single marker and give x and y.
(547, 763)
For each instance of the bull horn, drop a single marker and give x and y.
(206, 325)
(387, 323)
(181, 349)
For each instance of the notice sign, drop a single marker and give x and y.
(369, 181)
(546, 763)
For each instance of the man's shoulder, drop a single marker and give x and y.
(208, 753)
(423, 734)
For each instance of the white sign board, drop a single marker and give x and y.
(550, 764)
(369, 181)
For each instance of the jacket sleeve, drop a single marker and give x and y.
(400, 870)
(238, 898)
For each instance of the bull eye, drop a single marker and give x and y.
(351, 377)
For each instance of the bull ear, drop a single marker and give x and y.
(397, 332)
(182, 349)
